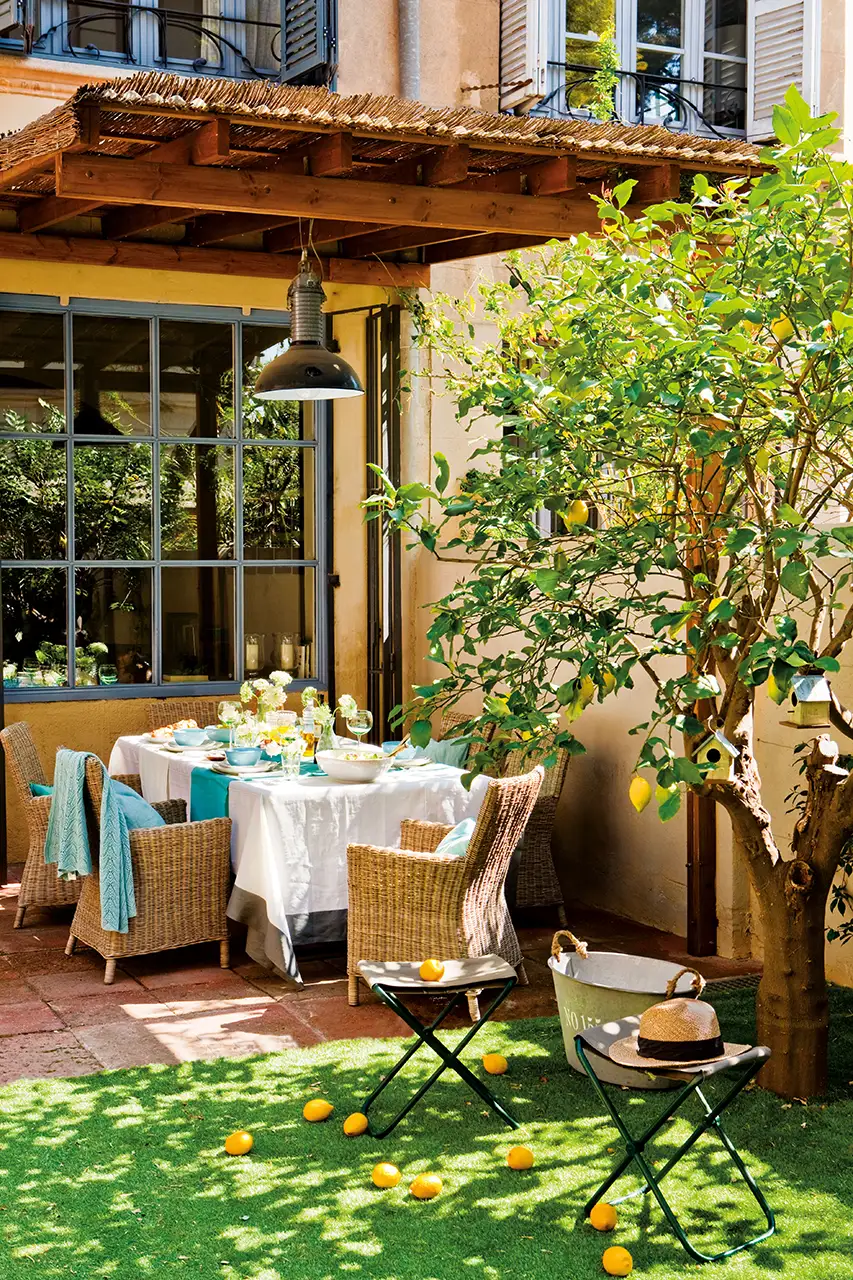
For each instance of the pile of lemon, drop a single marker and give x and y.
(615, 1260)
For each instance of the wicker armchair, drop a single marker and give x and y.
(165, 711)
(406, 904)
(180, 880)
(537, 884)
(451, 720)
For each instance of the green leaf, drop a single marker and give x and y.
(827, 664)
(622, 192)
(785, 126)
(414, 492)
(420, 733)
(443, 467)
(546, 580)
(686, 771)
(739, 539)
(795, 579)
(787, 512)
(670, 806)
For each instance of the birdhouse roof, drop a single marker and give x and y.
(721, 740)
(811, 688)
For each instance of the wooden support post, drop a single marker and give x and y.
(552, 176)
(446, 166)
(331, 156)
(701, 875)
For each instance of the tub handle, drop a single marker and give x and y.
(581, 948)
(698, 983)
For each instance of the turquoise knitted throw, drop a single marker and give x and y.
(67, 842)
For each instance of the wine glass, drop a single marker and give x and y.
(360, 723)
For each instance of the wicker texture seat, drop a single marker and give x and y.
(180, 879)
(537, 884)
(165, 711)
(408, 903)
(452, 720)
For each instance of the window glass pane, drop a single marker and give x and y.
(196, 379)
(112, 608)
(197, 501)
(32, 372)
(724, 97)
(112, 501)
(658, 86)
(198, 624)
(586, 21)
(98, 26)
(725, 27)
(270, 419)
(659, 22)
(112, 376)
(32, 500)
(180, 37)
(34, 628)
(278, 503)
(279, 621)
(261, 34)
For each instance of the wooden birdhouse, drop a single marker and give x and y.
(811, 699)
(718, 752)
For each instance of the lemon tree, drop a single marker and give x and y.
(664, 502)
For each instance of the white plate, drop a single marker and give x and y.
(245, 770)
(176, 750)
(417, 763)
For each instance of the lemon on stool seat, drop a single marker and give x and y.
(385, 1175)
(519, 1158)
(431, 971)
(317, 1109)
(239, 1143)
(617, 1261)
(495, 1063)
(426, 1186)
(355, 1125)
(602, 1216)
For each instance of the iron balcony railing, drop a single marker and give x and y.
(126, 34)
(640, 97)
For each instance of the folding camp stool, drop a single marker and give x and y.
(595, 1043)
(461, 978)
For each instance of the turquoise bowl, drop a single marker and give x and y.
(189, 737)
(218, 734)
(240, 757)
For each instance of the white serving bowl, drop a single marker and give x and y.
(337, 766)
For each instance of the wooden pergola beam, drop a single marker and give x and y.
(247, 191)
(552, 177)
(394, 239)
(479, 246)
(331, 156)
(167, 257)
(287, 239)
(145, 217)
(225, 226)
(447, 166)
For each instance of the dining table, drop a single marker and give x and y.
(289, 837)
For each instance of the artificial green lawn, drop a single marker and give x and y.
(123, 1175)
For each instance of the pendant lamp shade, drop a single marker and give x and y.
(307, 370)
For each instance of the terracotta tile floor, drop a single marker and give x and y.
(58, 1019)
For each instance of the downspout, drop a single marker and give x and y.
(409, 48)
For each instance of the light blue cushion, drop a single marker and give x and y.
(40, 789)
(138, 813)
(450, 751)
(455, 843)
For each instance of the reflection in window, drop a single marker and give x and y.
(724, 96)
(34, 628)
(196, 379)
(32, 500)
(278, 510)
(270, 419)
(586, 22)
(32, 372)
(112, 376)
(180, 30)
(102, 26)
(112, 608)
(112, 501)
(197, 501)
(198, 623)
(279, 611)
(261, 38)
(659, 22)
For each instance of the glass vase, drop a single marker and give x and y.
(326, 740)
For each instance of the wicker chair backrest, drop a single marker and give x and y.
(23, 758)
(203, 710)
(517, 762)
(506, 807)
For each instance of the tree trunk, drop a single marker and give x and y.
(793, 1014)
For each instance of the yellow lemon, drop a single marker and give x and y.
(239, 1143)
(317, 1109)
(495, 1063)
(617, 1261)
(577, 512)
(603, 1217)
(431, 971)
(385, 1175)
(782, 329)
(639, 793)
(777, 693)
(519, 1158)
(762, 459)
(662, 794)
(609, 682)
(355, 1125)
(426, 1186)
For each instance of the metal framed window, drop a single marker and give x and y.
(148, 504)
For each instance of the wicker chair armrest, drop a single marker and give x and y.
(185, 849)
(131, 780)
(410, 871)
(422, 837)
(171, 811)
(38, 813)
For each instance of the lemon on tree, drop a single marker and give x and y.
(639, 793)
(577, 512)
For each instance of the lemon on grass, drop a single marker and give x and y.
(602, 1216)
(639, 793)
(617, 1261)
(495, 1063)
(519, 1158)
(355, 1125)
(317, 1109)
(239, 1143)
(385, 1175)
(431, 971)
(426, 1186)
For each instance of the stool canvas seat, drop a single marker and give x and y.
(593, 1046)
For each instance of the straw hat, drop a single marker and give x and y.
(677, 1033)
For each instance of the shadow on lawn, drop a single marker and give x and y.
(123, 1174)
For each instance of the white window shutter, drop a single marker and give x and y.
(8, 15)
(524, 55)
(782, 50)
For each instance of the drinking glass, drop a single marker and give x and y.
(291, 757)
(107, 674)
(360, 723)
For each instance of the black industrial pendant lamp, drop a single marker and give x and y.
(307, 370)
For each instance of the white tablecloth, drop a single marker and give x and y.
(289, 839)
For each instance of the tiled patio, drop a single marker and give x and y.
(58, 1019)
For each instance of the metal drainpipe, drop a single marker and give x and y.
(409, 46)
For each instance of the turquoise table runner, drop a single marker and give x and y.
(209, 790)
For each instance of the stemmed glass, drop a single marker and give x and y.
(360, 723)
(228, 715)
